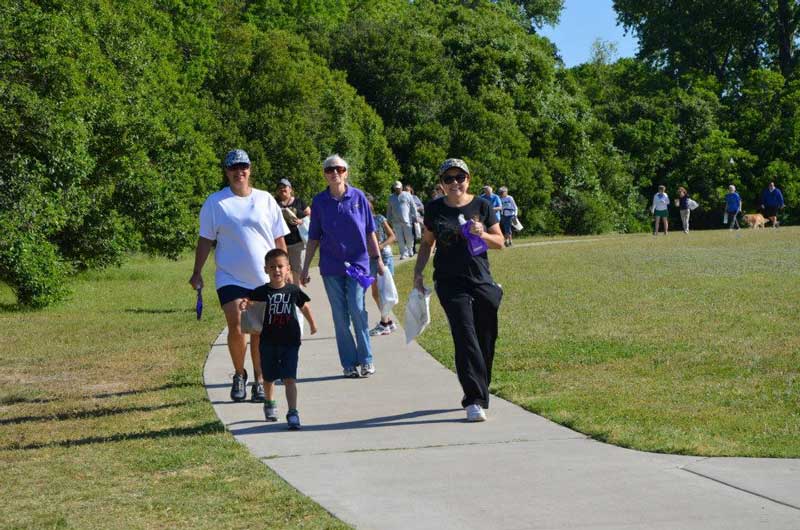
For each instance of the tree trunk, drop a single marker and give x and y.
(786, 27)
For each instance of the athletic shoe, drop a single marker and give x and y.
(271, 411)
(257, 392)
(367, 370)
(380, 329)
(239, 387)
(392, 325)
(475, 413)
(351, 372)
(293, 420)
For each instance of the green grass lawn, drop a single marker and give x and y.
(681, 344)
(104, 421)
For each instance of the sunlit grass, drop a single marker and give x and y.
(104, 421)
(680, 344)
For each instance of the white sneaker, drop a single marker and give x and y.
(380, 329)
(475, 413)
(392, 326)
(367, 370)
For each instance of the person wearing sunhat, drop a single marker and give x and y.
(400, 212)
(245, 223)
(294, 211)
(463, 282)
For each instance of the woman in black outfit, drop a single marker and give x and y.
(463, 282)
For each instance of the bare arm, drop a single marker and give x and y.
(425, 247)
(280, 243)
(374, 250)
(390, 237)
(306, 310)
(311, 249)
(200, 256)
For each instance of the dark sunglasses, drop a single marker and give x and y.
(237, 167)
(460, 178)
(338, 169)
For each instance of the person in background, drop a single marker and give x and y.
(385, 235)
(400, 212)
(438, 191)
(508, 213)
(733, 205)
(660, 210)
(245, 223)
(463, 282)
(682, 202)
(419, 212)
(294, 211)
(344, 231)
(494, 201)
(771, 202)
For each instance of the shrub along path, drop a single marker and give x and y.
(394, 451)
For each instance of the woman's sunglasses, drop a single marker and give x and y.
(460, 178)
(338, 169)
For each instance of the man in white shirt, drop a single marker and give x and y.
(400, 213)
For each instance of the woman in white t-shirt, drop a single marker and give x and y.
(245, 223)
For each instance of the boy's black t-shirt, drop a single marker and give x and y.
(453, 260)
(280, 320)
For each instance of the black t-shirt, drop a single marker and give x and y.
(453, 260)
(298, 208)
(280, 320)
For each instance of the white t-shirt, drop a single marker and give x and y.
(245, 229)
(660, 202)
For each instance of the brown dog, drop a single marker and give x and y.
(755, 220)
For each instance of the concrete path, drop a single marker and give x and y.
(394, 451)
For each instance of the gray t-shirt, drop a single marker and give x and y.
(401, 208)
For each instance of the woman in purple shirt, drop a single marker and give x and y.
(343, 229)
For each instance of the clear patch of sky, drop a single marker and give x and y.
(584, 21)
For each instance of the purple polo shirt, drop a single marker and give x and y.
(341, 227)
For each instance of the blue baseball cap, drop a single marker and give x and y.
(237, 156)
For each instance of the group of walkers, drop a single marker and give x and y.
(261, 256)
(771, 203)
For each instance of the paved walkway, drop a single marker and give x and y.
(394, 451)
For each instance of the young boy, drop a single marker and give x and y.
(280, 335)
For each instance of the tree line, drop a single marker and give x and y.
(114, 115)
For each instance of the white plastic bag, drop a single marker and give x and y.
(302, 228)
(300, 321)
(418, 313)
(516, 224)
(387, 292)
(692, 204)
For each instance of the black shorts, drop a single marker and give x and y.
(229, 293)
(770, 211)
(279, 361)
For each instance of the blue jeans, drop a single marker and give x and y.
(388, 262)
(346, 297)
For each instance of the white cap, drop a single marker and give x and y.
(397, 184)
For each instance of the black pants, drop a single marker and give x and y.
(472, 313)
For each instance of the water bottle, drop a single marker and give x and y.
(475, 244)
(355, 272)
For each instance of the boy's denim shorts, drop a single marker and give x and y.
(279, 361)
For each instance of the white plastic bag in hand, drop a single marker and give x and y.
(302, 228)
(387, 291)
(418, 314)
(692, 204)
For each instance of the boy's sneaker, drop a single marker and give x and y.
(257, 393)
(271, 411)
(293, 420)
(380, 329)
(239, 387)
(475, 413)
(367, 370)
(392, 325)
(351, 372)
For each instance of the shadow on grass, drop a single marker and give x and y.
(16, 399)
(85, 414)
(158, 311)
(212, 427)
(382, 421)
